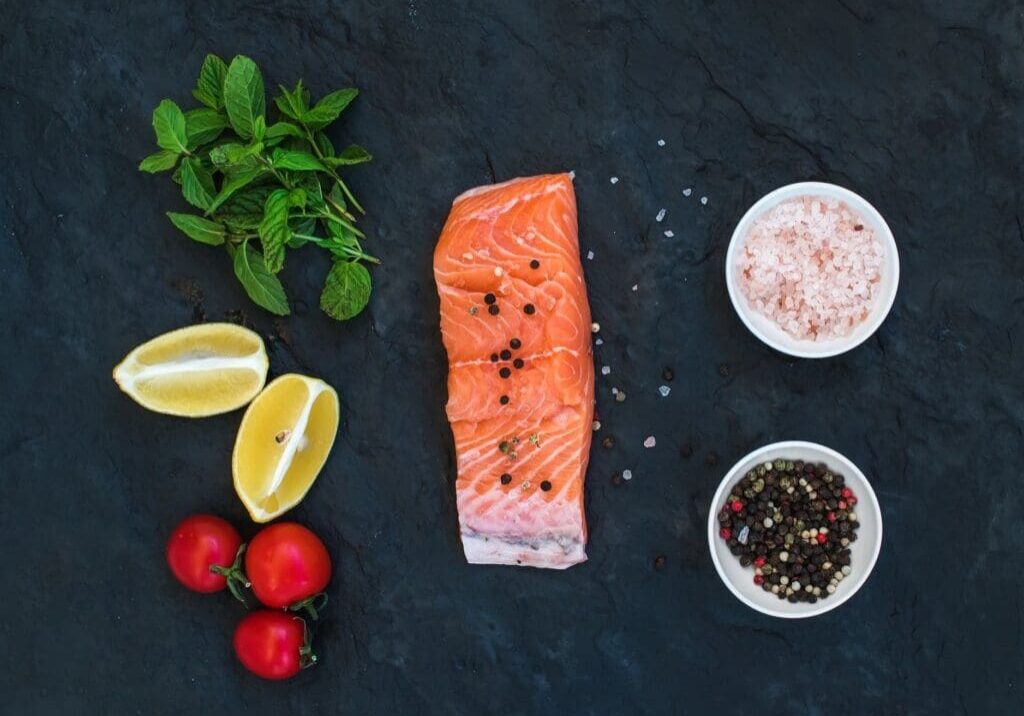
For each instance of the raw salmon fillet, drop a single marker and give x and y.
(513, 302)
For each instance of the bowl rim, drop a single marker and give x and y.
(824, 605)
(877, 316)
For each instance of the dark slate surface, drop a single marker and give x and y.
(918, 106)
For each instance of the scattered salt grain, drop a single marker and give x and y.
(704, 200)
(614, 180)
(664, 390)
(635, 287)
(599, 342)
(661, 142)
(812, 266)
(627, 474)
(605, 370)
(590, 256)
(660, 216)
(596, 425)
(650, 442)
(615, 391)
(620, 397)
(669, 234)
(687, 191)
(595, 327)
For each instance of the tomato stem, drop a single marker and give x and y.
(306, 656)
(235, 576)
(311, 605)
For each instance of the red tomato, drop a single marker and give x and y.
(273, 644)
(286, 564)
(196, 544)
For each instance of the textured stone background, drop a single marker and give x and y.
(918, 106)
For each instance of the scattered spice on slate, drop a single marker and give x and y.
(517, 363)
(686, 450)
(493, 309)
(506, 479)
(723, 370)
(711, 459)
(528, 309)
(545, 485)
(659, 562)
(617, 479)
(535, 264)
(490, 298)
(793, 522)
(667, 374)
(515, 344)
(506, 354)
(503, 400)
(620, 397)
(505, 372)
(608, 442)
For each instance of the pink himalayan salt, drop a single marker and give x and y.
(813, 266)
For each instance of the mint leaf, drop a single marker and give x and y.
(352, 154)
(203, 125)
(284, 129)
(263, 287)
(232, 156)
(326, 148)
(198, 228)
(159, 162)
(233, 183)
(210, 85)
(296, 160)
(328, 108)
(273, 230)
(196, 184)
(169, 125)
(244, 209)
(293, 104)
(259, 128)
(244, 97)
(346, 290)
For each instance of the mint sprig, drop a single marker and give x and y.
(264, 188)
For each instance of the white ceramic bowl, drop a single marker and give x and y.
(766, 329)
(863, 552)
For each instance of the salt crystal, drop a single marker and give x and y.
(650, 442)
(744, 535)
(634, 286)
(687, 191)
(627, 474)
(605, 370)
(669, 234)
(660, 216)
(806, 266)
(614, 180)
(661, 142)
(664, 390)
(599, 342)
(615, 391)
(703, 200)
(590, 256)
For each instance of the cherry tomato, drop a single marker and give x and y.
(273, 644)
(196, 544)
(287, 564)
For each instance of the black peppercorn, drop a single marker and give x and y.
(506, 354)
(518, 363)
(515, 344)
(659, 562)
(494, 357)
(489, 298)
(608, 441)
(529, 309)
(493, 310)
(545, 485)
(506, 478)
(504, 372)
(535, 264)
(503, 400)
(667, 374)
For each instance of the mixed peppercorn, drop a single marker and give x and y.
(794, 523)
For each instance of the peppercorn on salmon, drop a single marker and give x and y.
(516, 326)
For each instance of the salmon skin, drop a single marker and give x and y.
(516, 325)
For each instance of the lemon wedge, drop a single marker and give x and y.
(196, 371)
(282, 444)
